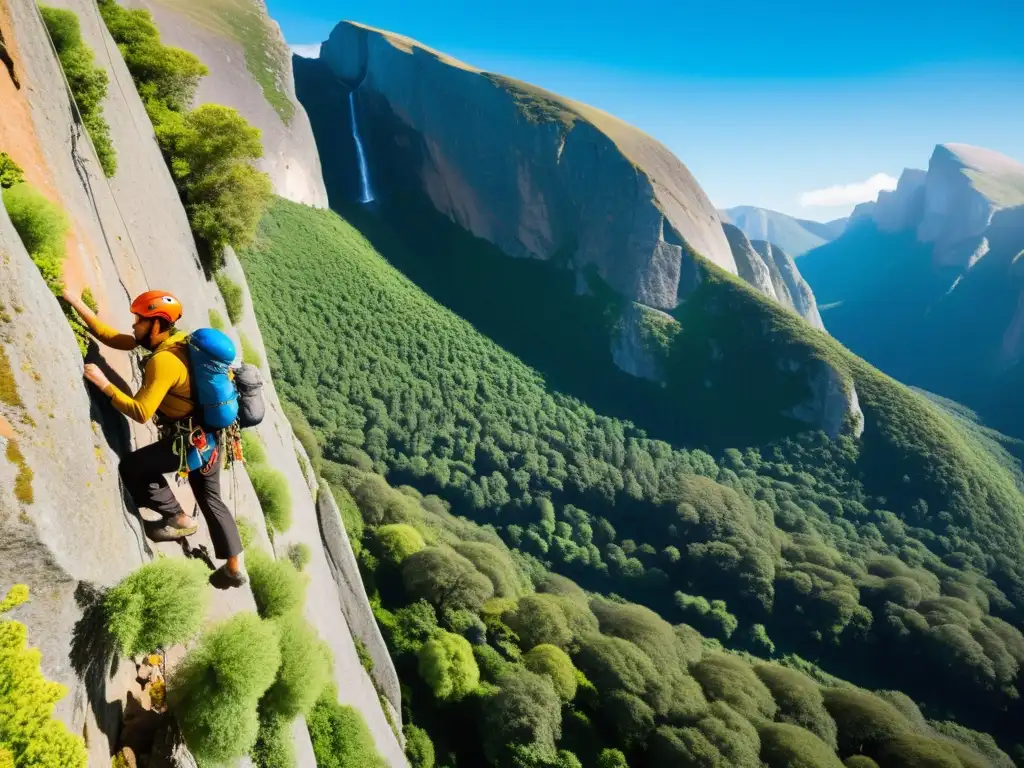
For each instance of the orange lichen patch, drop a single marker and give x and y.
(6, 430)
(18, 139)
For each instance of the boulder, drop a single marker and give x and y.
(537, 175)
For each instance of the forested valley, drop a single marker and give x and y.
(727, 605)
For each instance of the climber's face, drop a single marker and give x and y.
(141, 328)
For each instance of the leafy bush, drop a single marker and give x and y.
(865, 722)
(217, 320)
(41, 225)
(88, 82)
(611, 758)
(418, 747)
(275, 498)
(730, 679)
(159, 605)
(300, 554)
(447, 665)
(304, 671)
(210, 150)
(340, 736)
(799, 700)
(231, 292)
(29, 734)
(277, 587)
(720, 737)
(445, 578)
(275, 745)
(788, 746)
(250, 355)
(166, 77)
(246, 532)
(10, 172)
(523, 716)
(713, 617)
(398, 541)
(215, 691)
(555, 663)
(539, 620)
(252, 448)
(859, 761)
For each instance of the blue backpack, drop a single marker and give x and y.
(210, 355)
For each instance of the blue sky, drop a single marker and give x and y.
(803, 107)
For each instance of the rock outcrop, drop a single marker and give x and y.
(791, 289)
(536, 174)
(216, 36)
(749, 263)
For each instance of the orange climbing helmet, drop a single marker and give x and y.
(158, 304)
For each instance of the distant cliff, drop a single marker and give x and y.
(926, 281)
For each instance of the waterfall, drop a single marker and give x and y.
(366, 191)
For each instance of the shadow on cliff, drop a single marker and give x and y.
(94, 658)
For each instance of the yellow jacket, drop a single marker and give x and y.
(165, 382)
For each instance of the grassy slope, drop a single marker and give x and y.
(376, 364)
(266, 55)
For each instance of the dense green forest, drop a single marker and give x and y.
(892, 561)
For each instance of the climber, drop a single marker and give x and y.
(166, 395)
(5, 57)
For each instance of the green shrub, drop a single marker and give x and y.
(859, 761)
(447, 665)
(918, 751)
(864, 721)
(166, 77)
(211, 150)
(246, 532)
(538, 620)
(88, 82)
(730, 679)
(275, 744)
(523, 716)
(217, 320)
(340, 736)
(398, 541)
(41, 225)
(305, 435)
(799, 700)
(365, 659)
(277, 587)
(418, 747)
(300, 554)
(249, 353)
(28, 732)
(215, 691)
(10, 172)
(304, 671)
(410, 627)
(275, 498)
(445, 578)
(231, 292)
(159, 605)
(611, 758)
(555, 663)
(789, 746)
(252, 448)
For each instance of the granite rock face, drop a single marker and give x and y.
(791, 289)
(290, 155)
(535, 174)
(749, 262)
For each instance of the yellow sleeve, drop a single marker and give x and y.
(110, 336)
(163, 371)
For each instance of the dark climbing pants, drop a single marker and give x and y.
(143, 474)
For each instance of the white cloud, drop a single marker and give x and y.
(308, 50)
(848, 194)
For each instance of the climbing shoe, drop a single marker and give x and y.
(168, 532)
(223, 578)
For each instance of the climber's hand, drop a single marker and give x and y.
(96, 376)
